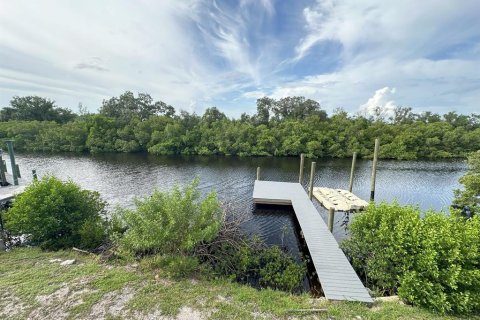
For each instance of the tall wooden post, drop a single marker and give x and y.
(258, 173)
(2, 235)
(12, 161)
(302, 164)
(3, 170)
(312, 174)
(331, 218)
(18, 171)
(354, 160)
(374, 169)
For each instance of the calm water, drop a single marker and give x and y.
(121, 177)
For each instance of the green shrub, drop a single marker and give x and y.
(55, 214)
(445, 275)
(470, 195)
(170, 222)
(256, 264)
(278, 270)
(432, 262)
(182, 234)
(176, 267)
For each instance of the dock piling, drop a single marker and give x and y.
(374, 169)
(302, 164)
(2, 235)
(12, 161)
(352, 171)
(331, 218)
(258, 173)
(312, 174)
(3, 171)
(18, 170)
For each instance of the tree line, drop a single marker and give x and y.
(284, 127)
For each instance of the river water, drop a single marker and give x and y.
(121, 177)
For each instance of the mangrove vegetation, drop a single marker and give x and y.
(284, 127)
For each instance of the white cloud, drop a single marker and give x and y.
(142, 46)
(423, 84)
(89, 50)
(380, 101)
(375, 28)
(198, 53)
(427, 50)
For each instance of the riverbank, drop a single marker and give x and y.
(69, 285)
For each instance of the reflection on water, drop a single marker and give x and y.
(121, 177)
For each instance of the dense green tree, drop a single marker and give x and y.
(35, 108)
(403, 115)
(213, 114)
(102, 134)
(284, 127)
(470, 194)
(296, 108)
(127, 106)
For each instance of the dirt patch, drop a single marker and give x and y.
(49, 299)
(57, 304)
(112, 304)
(11, 306)
(185, 313)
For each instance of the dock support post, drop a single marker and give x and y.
(2, 235)
(312, 174)
(12, 161)
(354, 160)
(331, 218)
(302, 164)
(258, 173)
(18, 170)
(3, 170)
(374, 169)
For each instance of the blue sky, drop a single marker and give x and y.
(194, 54)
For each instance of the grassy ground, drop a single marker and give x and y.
(34, 284)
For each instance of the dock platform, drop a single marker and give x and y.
(337, 277)
(339, 199)
(9, 192)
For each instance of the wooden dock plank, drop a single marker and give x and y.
(9, 192)
(337, 277)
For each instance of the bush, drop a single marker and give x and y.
(55, 215)
(170, 222)
(470, 195)
(432, 262)
(176, 267)
(256, 264)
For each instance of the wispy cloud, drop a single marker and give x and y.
(93, 63)
(197, 53)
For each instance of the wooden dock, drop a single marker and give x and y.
(339, 199)
(337, 277)
(9, 192)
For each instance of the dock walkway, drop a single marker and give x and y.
(337, 277)
(9, 192)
